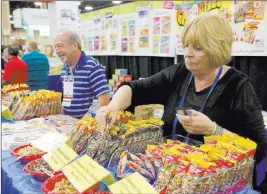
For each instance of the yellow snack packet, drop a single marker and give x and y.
(245, 143)
(205, 148)
(151, 147)
(113, 132)
(172, 151)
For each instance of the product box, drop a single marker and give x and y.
(122, 78)
(115, 77)
(111, 82)
(128, 78)
(145, 112)
(121, 72)
(110, 87)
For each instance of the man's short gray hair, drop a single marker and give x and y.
(73, 36)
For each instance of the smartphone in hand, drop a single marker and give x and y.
(184, 111)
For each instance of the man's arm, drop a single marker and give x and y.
(103, 99)
(99, 84)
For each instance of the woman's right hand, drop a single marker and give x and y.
(101, 116)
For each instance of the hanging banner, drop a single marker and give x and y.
(163, 28)
(99, 31)
(247, 18)
(133, 28)
(153, 28)
(144, 28)
(249, 28)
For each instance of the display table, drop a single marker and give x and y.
(16, 181)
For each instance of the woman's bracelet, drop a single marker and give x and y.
(218, 130)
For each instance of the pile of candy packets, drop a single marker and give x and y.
(29, 104)
(222, 163)
(125, 131)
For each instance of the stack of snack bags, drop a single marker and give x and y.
(175, 167)
(14, 88)
(7, 99)
(84, 129)
(125, 131)
(28, 104)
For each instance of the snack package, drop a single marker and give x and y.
(164, 177)
(175, 185)
(122, 164)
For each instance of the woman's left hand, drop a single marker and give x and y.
(197, 124)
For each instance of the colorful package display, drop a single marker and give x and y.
(125, 131)
(223, 164)
(120, 76)
(14, 88)
(28, 104)
(121, 72)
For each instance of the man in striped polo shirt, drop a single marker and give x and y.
(83, 77)
(38, 67)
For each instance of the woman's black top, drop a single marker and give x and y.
(233, 103)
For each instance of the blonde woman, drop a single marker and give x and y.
(222, 99)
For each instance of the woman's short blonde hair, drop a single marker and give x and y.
(212, 33)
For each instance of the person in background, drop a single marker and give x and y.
(38, 67)
(49, 51)
(15, 69)
(20, 51)
(4, 56)
(219, 99)
(86, 74)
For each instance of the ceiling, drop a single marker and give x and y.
(95, 4)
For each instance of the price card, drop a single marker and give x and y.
(134, 183)
(50, 141)
(84, 173)
(60, 157)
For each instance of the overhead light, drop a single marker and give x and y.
(116, 2)
(38, 3)
(88, 8)
(12, 22)
(10, 16)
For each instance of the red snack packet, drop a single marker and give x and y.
(136, 159)
(149, 166)
(235, 156)
(169, 159)
(135, 167)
